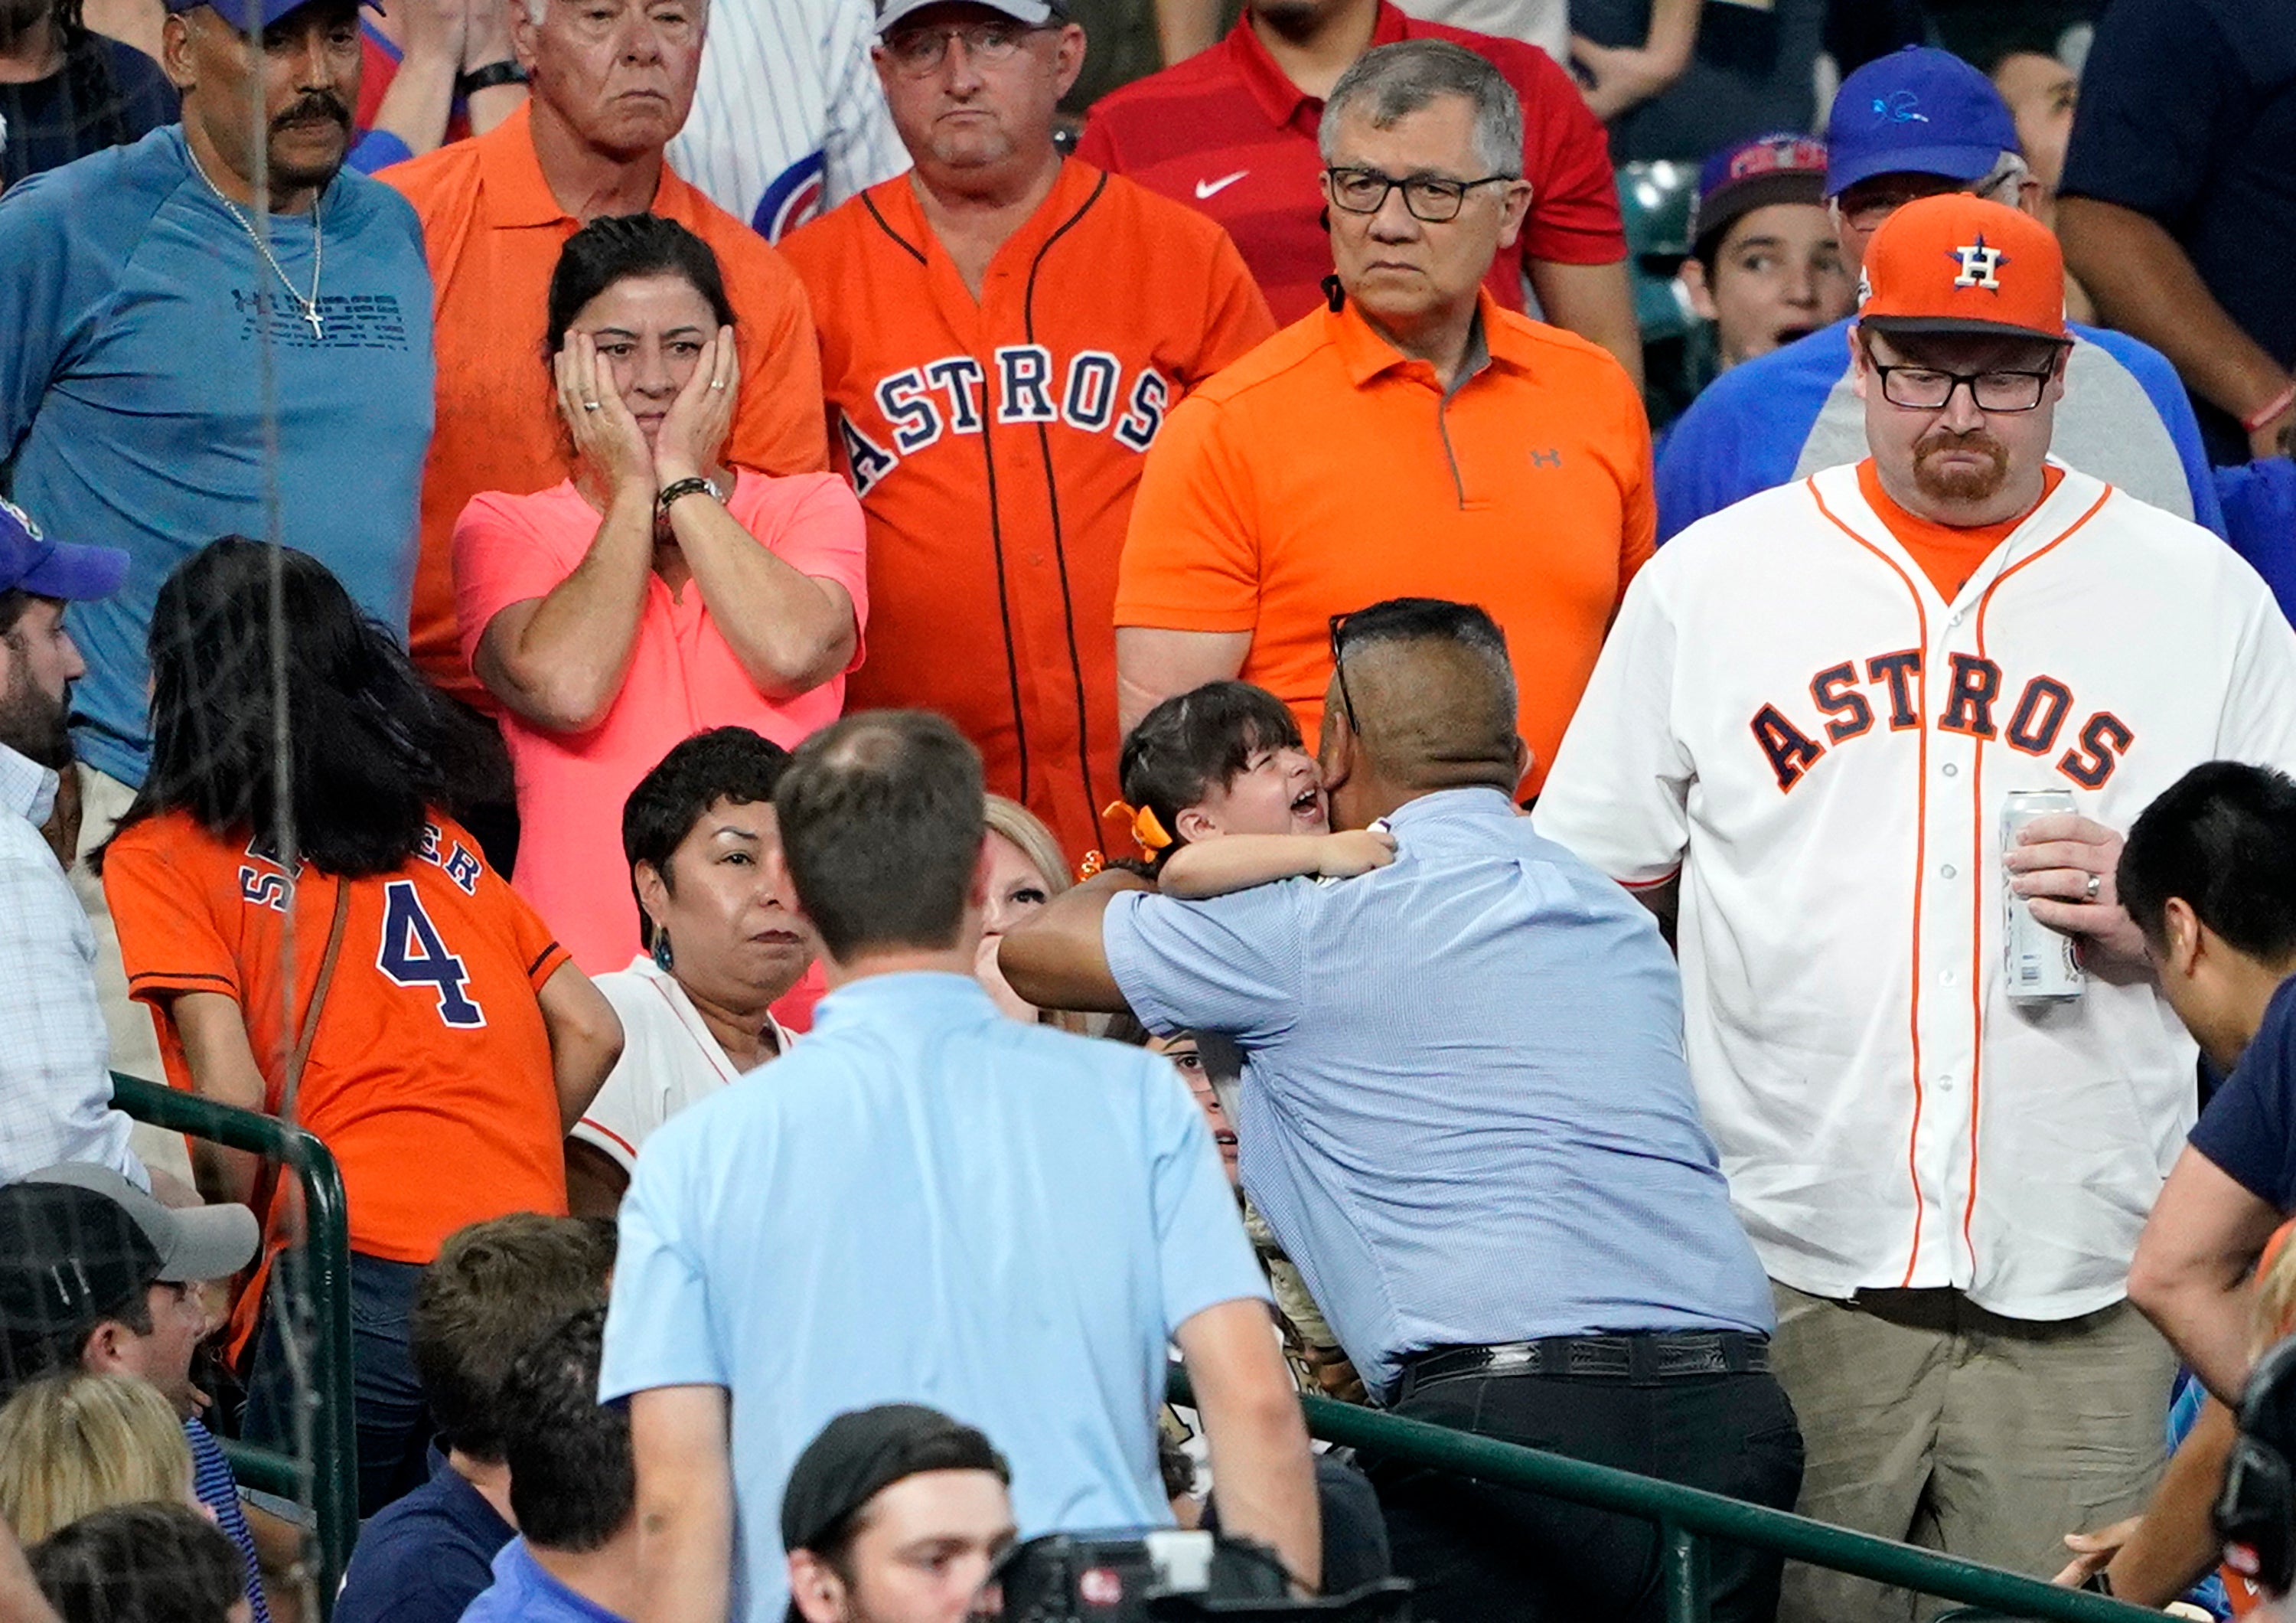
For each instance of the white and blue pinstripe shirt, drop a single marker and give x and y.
(55, 1083)
(788, 120)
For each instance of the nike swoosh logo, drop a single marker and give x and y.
(1210, 188)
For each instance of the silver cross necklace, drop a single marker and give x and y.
(319, 246)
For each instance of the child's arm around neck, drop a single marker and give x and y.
(1238, 861)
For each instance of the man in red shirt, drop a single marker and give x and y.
(1232, 131)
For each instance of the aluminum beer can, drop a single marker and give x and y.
(2038, 961)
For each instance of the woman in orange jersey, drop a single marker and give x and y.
(319, 940)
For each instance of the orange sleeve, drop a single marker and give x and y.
(779, 425)
(1236, 318)
(162, 905)
(1190, 558)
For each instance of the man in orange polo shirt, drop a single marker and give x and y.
(1414, 439)
(612, 81)
(1002, 334)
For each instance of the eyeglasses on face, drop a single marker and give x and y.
(1929, 388)
(917, 51)
(1339, 624)
(1432, 199)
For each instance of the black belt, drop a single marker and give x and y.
(1654, 1356)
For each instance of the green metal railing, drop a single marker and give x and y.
(1687, 1517)
(329, 1484)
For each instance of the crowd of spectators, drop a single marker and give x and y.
(901, 714)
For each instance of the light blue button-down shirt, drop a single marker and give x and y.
(55, 1080)
(1465, 1110)
(926, 1201)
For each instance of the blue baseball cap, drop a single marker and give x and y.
(51, 568)
(266, 12)
(1916, 111)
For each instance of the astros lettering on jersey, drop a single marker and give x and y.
(1789, 715)
(996, 443)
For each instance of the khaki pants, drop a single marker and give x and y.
(135, 1041)
(1926, 1418)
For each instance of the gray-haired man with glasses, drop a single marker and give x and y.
(1875, 733)
(1412, 438)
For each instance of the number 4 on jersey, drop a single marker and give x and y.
(413, 955)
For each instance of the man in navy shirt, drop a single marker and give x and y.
(2178, 202)
(492, 1289)
(2209, 874)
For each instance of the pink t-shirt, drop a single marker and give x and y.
(683, 678)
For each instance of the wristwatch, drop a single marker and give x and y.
(504, 72)
(693, 485)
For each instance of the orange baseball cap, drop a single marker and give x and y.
(1961, 264)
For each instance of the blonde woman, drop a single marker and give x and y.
(1026, 870)
(70, 1445)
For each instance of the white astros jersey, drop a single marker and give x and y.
(788, 119)
(1788, 714)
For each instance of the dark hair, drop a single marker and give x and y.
(723, 764)
(13, 601)
(478, 1303)
(956, 1448)
(571, 1482)
(139, 1563)
(370, 740)
(617, 247)
(1197, 742)
(2223, 836)
(882, 818)
(28, 1356)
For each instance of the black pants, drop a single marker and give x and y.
(1485, 1554)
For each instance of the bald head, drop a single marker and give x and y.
(1433, 697)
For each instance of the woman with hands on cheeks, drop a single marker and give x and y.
(655, 592)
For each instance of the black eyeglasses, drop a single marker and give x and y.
(1432, 199)
(1340, 670)
(1930, 388)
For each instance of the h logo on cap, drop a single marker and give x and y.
(1979, 265)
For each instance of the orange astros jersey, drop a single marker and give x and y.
(996, 443)
(430, 1077)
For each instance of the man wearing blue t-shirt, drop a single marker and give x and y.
(1918, 122)
(929, 1202)
(2209, 874)
(171, 374)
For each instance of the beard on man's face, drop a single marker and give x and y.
(19, 18)
(34, 725)
(1960, 484)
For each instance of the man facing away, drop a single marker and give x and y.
(1024, 1222)
(1540, 1248)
